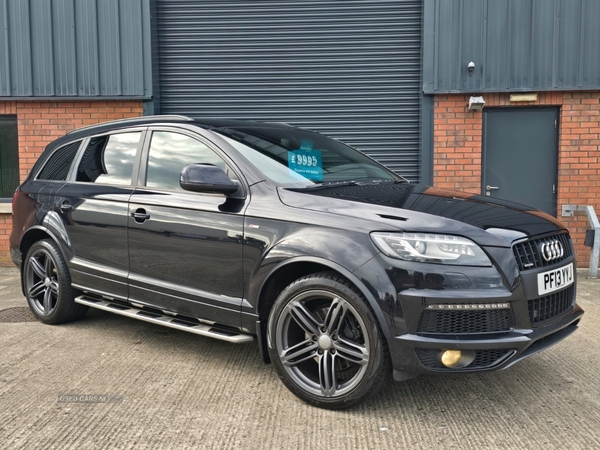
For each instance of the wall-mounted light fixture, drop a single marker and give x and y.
(471, 68)
(476, 103)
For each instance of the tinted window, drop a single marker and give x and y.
(109, 159)
(296, 157)
(58, 165)
(9, 156)
(170, 153)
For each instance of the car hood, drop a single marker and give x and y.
(420, 208)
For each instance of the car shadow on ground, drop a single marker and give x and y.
(425, 396)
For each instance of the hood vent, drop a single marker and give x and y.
(386, 216)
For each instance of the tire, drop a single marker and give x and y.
(325, 342)
(47, 284)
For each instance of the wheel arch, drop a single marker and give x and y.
(53, 227)
(292, 269)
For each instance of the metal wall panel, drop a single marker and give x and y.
(63, 38)
(87, 56)
(75, 48)
(348, 69)
(42, 49)
(589, 62)
(516, 45)
(20, 67)
(542, 60)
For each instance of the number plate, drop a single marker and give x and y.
(556, 279)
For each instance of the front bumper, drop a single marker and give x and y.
(417, 354)
(500, 325)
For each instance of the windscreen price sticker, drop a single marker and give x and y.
(307, 163)
(556, 279)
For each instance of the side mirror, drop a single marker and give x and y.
(206, 178)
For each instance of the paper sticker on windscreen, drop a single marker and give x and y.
(306, 162)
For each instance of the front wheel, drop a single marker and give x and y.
(325, 343)
(47, 285)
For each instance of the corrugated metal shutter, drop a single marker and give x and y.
(349, 69)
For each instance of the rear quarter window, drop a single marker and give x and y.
(58, 165)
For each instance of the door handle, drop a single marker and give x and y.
(140, 215)
(65, 206)
(489, 188)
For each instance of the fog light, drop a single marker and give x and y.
(451, 357)
(457, 359)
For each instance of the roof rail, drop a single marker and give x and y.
(140, 119)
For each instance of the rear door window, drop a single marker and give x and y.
(109, 159)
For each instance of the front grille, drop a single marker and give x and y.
(528, 253)
(550, 306)
(465, 322)
(484, 359)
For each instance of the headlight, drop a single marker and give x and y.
(431, 248)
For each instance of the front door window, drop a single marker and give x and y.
(170, 153)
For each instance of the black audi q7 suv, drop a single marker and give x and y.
(343, 271)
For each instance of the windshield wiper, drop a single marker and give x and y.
(387, 181)
(331, 184)
(328, 184)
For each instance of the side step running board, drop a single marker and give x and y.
(167, 321)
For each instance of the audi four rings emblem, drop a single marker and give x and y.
(552, 250)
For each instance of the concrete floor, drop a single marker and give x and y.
(184, 391)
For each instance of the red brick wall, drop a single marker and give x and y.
(40, 122)
(458, 146)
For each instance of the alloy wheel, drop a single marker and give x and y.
(321, 343)
(42, 282)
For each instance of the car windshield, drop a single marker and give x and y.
(294, 157)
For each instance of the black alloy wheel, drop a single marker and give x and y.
(325, 343)
(47, 285)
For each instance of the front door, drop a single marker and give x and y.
(520, 156)
(185, 248)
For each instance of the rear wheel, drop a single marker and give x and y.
(48, 285)
(325, 343)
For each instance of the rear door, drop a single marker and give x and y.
(185, 248)
(94, 208)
